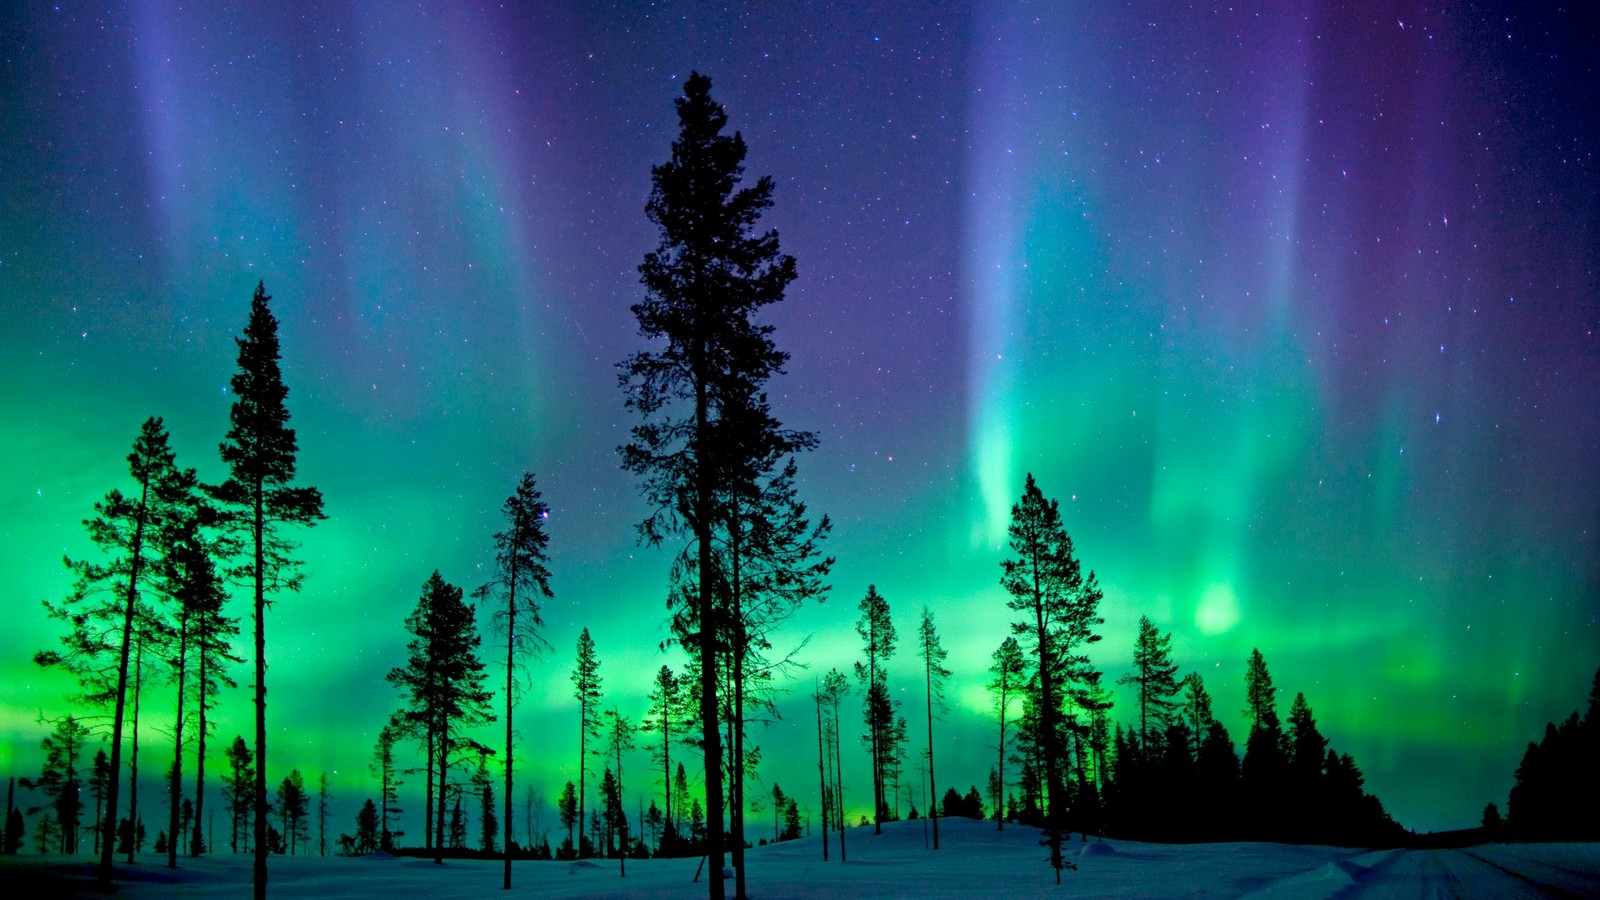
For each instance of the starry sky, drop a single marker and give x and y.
(1293, 306)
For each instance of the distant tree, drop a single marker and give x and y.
(1307, 748)
(443, 680)
(878, 639)
(1010, 678)
(1060, 609)
(1265, 763)
(834, 689)
(15, 831)
(366, 839)
(522, 579)
(791, 821)
(567, 806)
(586, 690)
(260, 450)
(99, 784)
(654, 819)
(1557, 785)
(667, 715)
(779, 801)
(1196, 711)
(213, 636)
(61, 784)
(1154, 680)
(237, 786)
(487, 821)
(1493, 825)
(972, 804)
(383, 768)
(934, 674)
(104, 609)
(619, 740)
(824, 788)
(293, 805)
(322, 814)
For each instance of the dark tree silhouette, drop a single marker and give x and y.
(1154, 679)
(1010, 678)
(704, 281)
(367, 828)
(933, 675)
(61, 781)
(667, 716)
(238, 786)
(293, 804)
(1060, 608)
(567, 806)
(834, 688)
(878, 706)
(586, 690)
(383, 768)
(619, 740)
(104, 612)
(1265, 763)
(1557, 785)
(443, 680)
(522, 580)
(260, 450)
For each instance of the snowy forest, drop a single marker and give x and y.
(177, 577)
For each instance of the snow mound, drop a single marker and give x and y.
(1098, 848)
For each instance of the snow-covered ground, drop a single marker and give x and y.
(973, 861)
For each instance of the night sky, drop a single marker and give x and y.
(1292, 306)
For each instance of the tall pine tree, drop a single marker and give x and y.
(586, 690)
(878, 705)
(708, 276)
(522, 580)
(933, 675)
(259, 451)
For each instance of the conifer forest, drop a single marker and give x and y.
(801, 450)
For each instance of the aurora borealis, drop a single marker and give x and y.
(1292, 306)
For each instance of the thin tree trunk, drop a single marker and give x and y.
(511, 646)
(822, 775)
(438, 811)
(708, 625)
(933, 783)
(136, 559)
(200, 751)
(838, 781)
(1000, 768)
(133, 764)
(175, 788)
(260, 868)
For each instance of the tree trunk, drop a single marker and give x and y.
(822, 776)
(260, 869)
(136, 559)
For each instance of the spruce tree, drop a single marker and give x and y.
(666, 717)
(878, 639)
(238, 786)
(1263, 770)
(1154, 678)
(443, 680)
(934, 673)
(567, 806)
(61, 782)
(260, 450)
(586, 690)
(383, 768)
(522, 579)
(367, 828)
(708, 276)
(1009, 670)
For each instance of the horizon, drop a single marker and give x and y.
(1294, 315)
